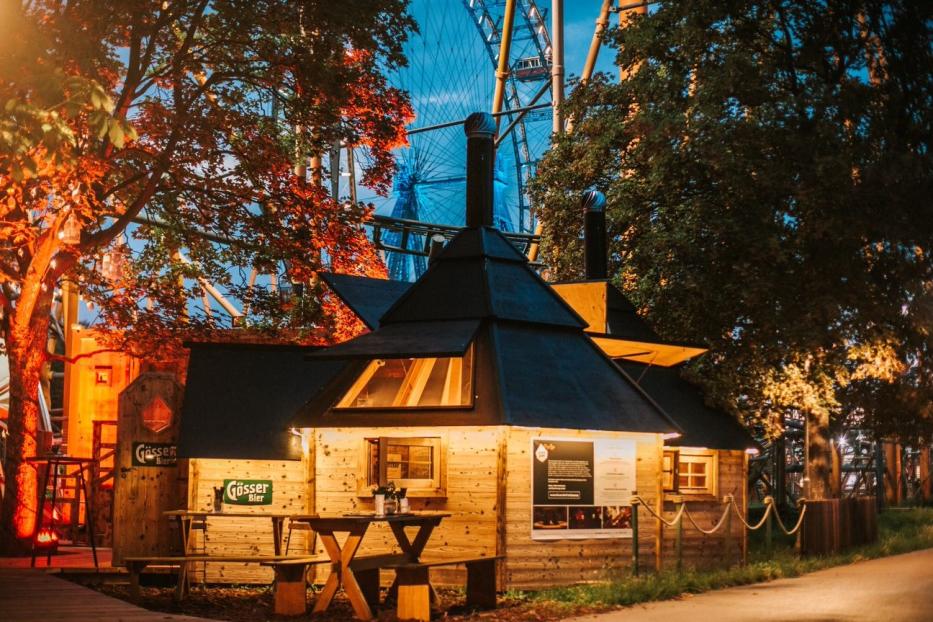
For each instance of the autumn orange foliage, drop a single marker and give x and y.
(194, 115)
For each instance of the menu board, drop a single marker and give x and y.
(581, 489)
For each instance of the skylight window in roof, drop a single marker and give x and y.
(413, 383)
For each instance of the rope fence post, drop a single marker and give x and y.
(679, 541)
(769, 546)
(634, 503)
(727, 541)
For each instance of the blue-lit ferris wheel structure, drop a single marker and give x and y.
(451, 72)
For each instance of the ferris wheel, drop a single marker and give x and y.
(451, 73)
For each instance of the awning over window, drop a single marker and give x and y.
(443, 338)
(661, 354)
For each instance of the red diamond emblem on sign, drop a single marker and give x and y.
(157, 415)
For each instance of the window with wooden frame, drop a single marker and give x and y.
(415, 463)
(413, 383)
(696, 473)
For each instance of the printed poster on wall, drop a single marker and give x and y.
(581, 489)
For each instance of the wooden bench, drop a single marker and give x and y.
(136, 565)
(414, 591)
(291, 583)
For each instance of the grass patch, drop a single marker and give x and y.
(899, 531)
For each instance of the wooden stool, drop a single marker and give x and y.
(291, 589)
(414, 593)
(291, 585)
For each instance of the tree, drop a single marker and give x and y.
(195, 114)
(768, 176)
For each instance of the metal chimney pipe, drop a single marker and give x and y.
(436, 246)
(595, 245)
(480, 129)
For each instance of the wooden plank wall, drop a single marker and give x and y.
(487, 468)
(472, 466)
(701, 550)
(292, 492)
(534, 563)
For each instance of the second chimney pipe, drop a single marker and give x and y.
(480, 129)
(595, 246)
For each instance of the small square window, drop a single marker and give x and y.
(415, 463)
(103, 376)
(696, 474)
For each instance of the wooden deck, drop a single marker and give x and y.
(28, 595)
(66, 557)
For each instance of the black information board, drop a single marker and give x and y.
(563, 472)
(582, 488)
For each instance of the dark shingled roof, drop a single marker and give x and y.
(367, 297)
(682, 401)
(622, 318)
(406, 340)
(703, 425)
(535, 366)
(562, 381)
(240, 399)
(479, 274)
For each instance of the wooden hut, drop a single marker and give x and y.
(700, 466)
(480, 393)
(478, 390)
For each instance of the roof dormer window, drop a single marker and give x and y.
(413, 383)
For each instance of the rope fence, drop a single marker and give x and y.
(724, 523)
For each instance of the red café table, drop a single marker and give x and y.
(344, 560)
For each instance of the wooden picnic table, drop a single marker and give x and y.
(186, 518)
(348, 570)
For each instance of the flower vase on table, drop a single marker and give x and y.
(384, 499)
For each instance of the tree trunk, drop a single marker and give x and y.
(26, 346)
(819, 457)
(779, 478)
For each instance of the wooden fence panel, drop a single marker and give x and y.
(833, 525)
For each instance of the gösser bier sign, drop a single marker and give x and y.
(248, 491)
(155, 454)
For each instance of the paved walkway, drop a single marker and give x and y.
(891, 589)
(32, 595)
